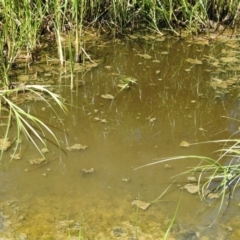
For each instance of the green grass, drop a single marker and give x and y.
(213, 172)
(29, 125)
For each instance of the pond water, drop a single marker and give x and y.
(89, 192)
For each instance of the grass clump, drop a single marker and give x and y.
(216, 178)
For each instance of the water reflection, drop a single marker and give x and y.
(172, 102)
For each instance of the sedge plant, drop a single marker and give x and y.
(213, 177)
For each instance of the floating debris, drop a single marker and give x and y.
(125, 179)
(104, 121)
(77, 146)
(37, 161)
(16, 156)
(96, 119)
(108, 67)
(151, 120)
(140, 204)
(107, 96)
(193, 61)
(146, 56)
(87, 171)
(123, 85)
(191, 188)
(213, 195)
(167, 166)
(184, 144)
(191, 179)
(44, 150)
(4, 144)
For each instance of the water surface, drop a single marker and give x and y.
(173, 101)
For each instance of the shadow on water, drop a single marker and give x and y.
(171, 102)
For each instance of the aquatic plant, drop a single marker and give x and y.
(214, 179)
(19, 32)
(28, 124)
(56, 18)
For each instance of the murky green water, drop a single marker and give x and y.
(172, 102)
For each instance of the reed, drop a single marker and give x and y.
(58, 21)
(31, 16)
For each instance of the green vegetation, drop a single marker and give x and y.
(214, 178)
(26, 27)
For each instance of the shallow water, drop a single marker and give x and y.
(171, 102)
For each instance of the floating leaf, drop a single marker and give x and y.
(184, 144)
(193, 61)
(16, 156)
(107, 96)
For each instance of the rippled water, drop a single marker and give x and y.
(172, 102)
